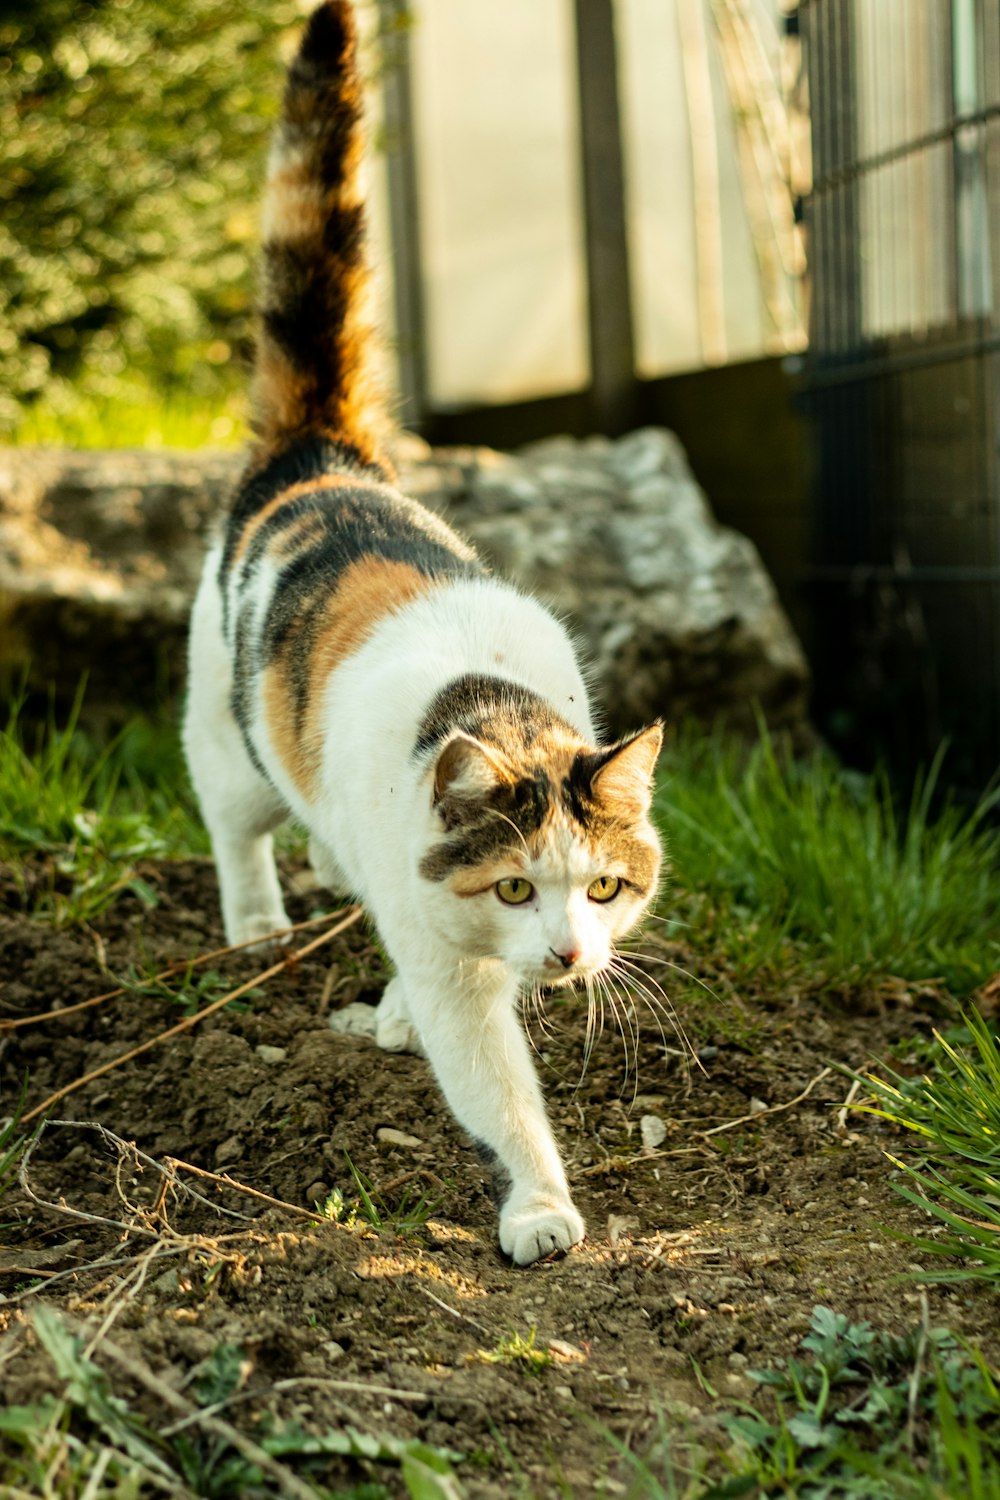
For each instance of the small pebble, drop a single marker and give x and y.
(757, 1106)
(318, 1192)
(229, 1151)
(271, 1054)
(653, 1131)
(332, 1349)
(392, 1137)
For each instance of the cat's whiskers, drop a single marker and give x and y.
(667, 963)
(639, 992)
(632, 1039)
(656, 999)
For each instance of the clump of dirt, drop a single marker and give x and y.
(705, 1254)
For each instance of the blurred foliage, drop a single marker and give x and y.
(133, 138)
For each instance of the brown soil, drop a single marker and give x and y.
(703, 1259)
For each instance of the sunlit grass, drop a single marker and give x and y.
(145, 419)
(800, 867)
(77, 817)
(952, 1164)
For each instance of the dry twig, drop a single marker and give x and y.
(189, 1021)
(775, 1109)
(180, 966)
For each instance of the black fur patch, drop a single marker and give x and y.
(308, 458)
(501, 1181)
(498, 712)
(491, 827)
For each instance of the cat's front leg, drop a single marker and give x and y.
(474, 1041)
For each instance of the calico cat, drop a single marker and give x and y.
(354, 665)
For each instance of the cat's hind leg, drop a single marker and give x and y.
(327, 870)
(239, 805)
(389, 1022)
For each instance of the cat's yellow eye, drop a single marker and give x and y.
(515, 892)
(604, 888)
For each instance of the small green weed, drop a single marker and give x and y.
(405, 1217)
(954, 1111)
(867, 1415)
(516, 1349)
(798, 867)
(190, 989)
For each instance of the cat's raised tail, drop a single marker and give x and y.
(315, 343)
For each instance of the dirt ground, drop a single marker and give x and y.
(704, 1257)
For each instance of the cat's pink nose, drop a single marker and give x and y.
(567, 959)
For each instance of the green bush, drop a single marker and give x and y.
(132, 143)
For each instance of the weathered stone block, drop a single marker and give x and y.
(100, 553)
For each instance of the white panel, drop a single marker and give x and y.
(661, 193)
(501, 234)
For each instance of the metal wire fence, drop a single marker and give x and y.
(903, 374)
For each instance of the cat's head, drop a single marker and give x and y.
(543, 859)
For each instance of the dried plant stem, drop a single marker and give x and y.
(179, 967)
(453, 1312)
(289, 959)
(775, 1109)
(224, 1180)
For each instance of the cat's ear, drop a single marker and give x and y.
(623, 775)
(465, 773)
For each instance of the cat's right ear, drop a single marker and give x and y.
(465, 773)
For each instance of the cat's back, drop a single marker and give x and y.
(319, 550)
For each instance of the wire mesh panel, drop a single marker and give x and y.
(902, 376)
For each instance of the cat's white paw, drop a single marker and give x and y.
(394, 1030)
(395, 1034)
(353, 1020)
(539, 1228)
(258, 929)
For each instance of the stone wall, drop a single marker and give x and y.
(100, 553)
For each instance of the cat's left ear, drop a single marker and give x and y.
(467, 771)
(623, 776)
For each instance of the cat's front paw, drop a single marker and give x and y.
(259, 931)
(540, 1227)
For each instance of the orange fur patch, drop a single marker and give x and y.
(279, 713)
(304, 487)
(368, 590)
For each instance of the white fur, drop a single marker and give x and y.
(461, 962)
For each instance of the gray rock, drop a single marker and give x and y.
(100, 554)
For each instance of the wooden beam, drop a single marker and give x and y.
(612, 358)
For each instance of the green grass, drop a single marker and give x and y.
(149, 419)
(799, 869)
(783, 871)
(78, 817)
(518, 1350)
(405, 1216)
(855, 1414)
(953, 1170)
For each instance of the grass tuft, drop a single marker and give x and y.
(84, 1440)
(802, 868)
(518, 1350)
(954, 1111)
(91, 812)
